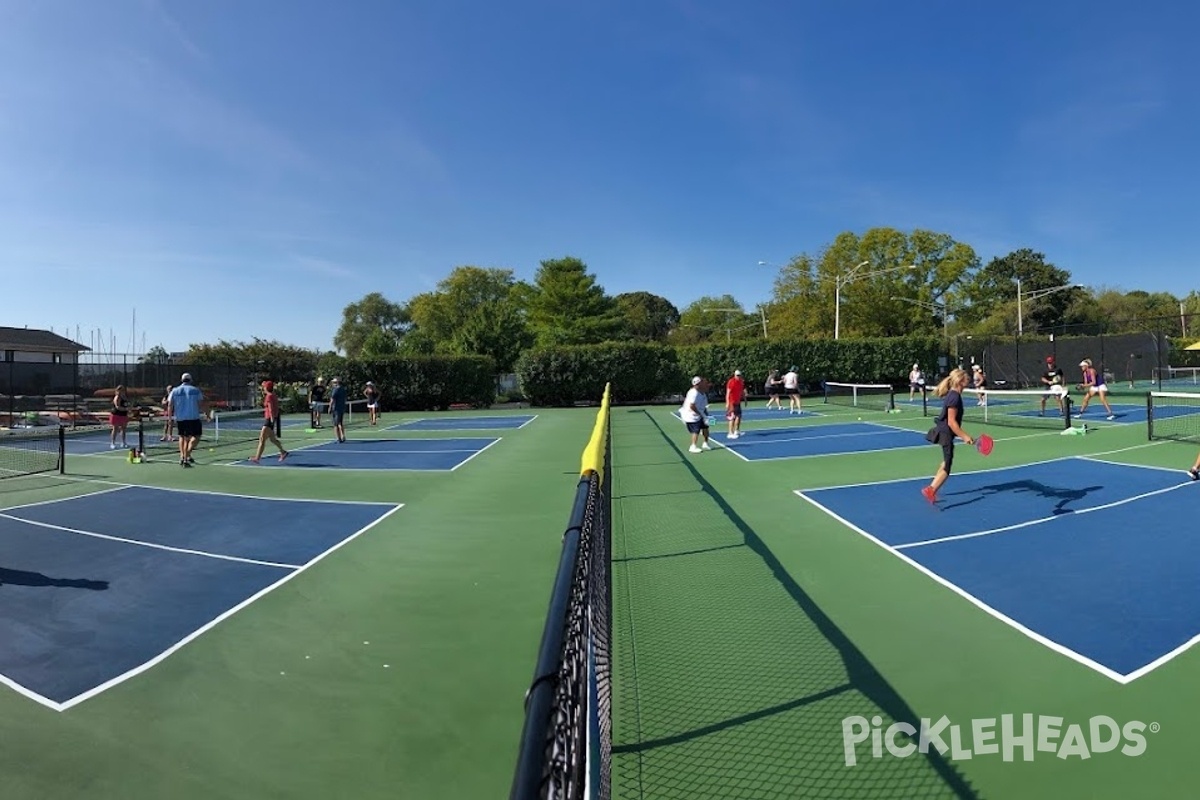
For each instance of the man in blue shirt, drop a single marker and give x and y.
(184, 405)
(337, 408)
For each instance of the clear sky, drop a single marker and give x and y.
(232, 169)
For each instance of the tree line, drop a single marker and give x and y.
(889, 283)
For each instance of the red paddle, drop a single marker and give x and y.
(984, 443)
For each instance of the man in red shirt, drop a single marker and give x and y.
(735, 391)
(270, 420)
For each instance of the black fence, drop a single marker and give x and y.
(55, 393)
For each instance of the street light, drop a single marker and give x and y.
(1034, 294)
(852, 275)
(933, 309)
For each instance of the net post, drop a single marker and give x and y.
(1150, 416)
(62, 449)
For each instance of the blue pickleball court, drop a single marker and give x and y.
(437, 455)
(1060, 550)
(764, 444)
(478, 423)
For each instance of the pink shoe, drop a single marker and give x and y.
(928, 493)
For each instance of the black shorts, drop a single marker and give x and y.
(696, 427)
(189, 427)
(269, 423)
(338, 416)
(736, 409)
(945, 437)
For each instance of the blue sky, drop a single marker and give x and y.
(234, 169)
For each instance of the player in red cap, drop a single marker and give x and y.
(270, 421)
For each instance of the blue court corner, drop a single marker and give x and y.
(97, 588)
(1060, 550)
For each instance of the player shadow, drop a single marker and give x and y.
(1063, 495)
(20, 577)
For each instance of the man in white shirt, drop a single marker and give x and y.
(791, 385)
(694, 413)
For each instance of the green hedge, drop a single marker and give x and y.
(560, 376)
(417, 383)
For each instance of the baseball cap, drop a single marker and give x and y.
(1083, 363)
(696, 381)
(737, 372)
(268, 385)
(1049, 359)
(186, 377)
(334, 380)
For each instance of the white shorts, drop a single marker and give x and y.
(1058, 389)
(1102, 388)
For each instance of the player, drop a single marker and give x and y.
(916, 381)
(271, 423)
(947, 425)
(1055, 379)
(119, 418)
(168, 423)
(186, 405)
(735, 391)
(337, 408)
(791, 385)
(978, 382)
(1093, 384)
(372, 394)
(316, 402)
(694, 413)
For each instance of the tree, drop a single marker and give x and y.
(993, 293)
(156, 355)
(648, 317)
(282, 362)
(721, 319)
(372, 313)
(496, 328)
(567, 306)
(440, 313)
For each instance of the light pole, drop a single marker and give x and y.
(1034, 294)
(933, 309)
(852, 275)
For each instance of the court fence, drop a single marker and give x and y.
(566, 743)
(81, 393)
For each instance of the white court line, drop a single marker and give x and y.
(198, 491)
(199, 631)
(64, 499)
(152, 545)
(477, 452)
(1019, 525)
(981, 605)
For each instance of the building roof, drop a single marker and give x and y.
(33, 339)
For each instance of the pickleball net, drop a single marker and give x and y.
(1019, 408)
(566, 742)
(240, 427)
(32, 451)
(1173, 415)
(866, 396)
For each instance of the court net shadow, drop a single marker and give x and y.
(20, 577)
(729, 680)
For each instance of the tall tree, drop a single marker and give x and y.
(716, 319)
(993, 293)
(496, 328)
(372, 313)
(568, 306)
(648, 317)
(440, 313)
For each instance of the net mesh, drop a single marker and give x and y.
(30, 451)
(1021, 408)
(1173, 415)
(877, 396)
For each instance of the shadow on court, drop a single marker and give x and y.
(1064, 495)
(20, 577)
(729, 680)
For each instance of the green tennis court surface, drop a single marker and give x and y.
(751, 629)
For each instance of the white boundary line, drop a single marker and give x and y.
(64, 499)
(140, 543)
(955, 588)
(120, 485)
(74, 701)
(477, 452)
(411, 422)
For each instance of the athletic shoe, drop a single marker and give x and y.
(927, 493)
(1195, 473)
(705, 446)
(693, 449)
